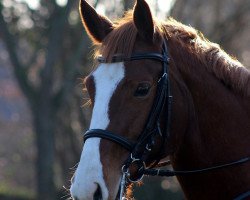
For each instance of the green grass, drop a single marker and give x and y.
(10, 193)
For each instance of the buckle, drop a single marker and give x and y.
(135, 170)
(164, 76)
(123, 183)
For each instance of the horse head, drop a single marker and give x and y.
(153, 96)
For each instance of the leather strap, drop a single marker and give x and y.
(99, 133)
(152, 127)
(163, 98)
(137, 56)
(167, 173)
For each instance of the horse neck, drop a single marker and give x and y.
(217, 131)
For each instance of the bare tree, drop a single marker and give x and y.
(46, 62)
(221, 21)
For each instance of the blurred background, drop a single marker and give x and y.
(44, 55)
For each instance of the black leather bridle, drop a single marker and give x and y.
(163, 99)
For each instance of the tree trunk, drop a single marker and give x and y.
(44, 125)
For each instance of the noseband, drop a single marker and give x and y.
(143, 145)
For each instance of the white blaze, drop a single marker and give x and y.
(89, 171)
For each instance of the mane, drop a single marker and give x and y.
(216, 61)
(226, 68)
(121, 40)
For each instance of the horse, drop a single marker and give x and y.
(161, 89)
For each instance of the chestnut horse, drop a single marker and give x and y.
(161, 89)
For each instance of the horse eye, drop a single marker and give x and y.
(142, 90)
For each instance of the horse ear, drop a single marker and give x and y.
(97, 26)
(143, 20)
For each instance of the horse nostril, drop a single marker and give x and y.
(98, 193)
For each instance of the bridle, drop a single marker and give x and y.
(144, 142)
(144, 145)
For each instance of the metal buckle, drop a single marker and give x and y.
(123, 183)
(163, 76)
(148, 147)
(140, 166)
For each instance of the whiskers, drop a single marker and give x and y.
(74, 167)
(67, 196)
(66, 189)
(85, 98)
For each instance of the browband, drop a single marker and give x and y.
(137, 56)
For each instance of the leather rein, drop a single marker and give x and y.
(143, 145)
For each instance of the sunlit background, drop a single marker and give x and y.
(162, 5)
(44, 51)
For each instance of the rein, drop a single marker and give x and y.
(152, 128)
(169, 173)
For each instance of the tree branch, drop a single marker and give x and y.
(221, 30)
(96, 3)
(19, 70)
(54, 44)
(70, 70)
(128, 4)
